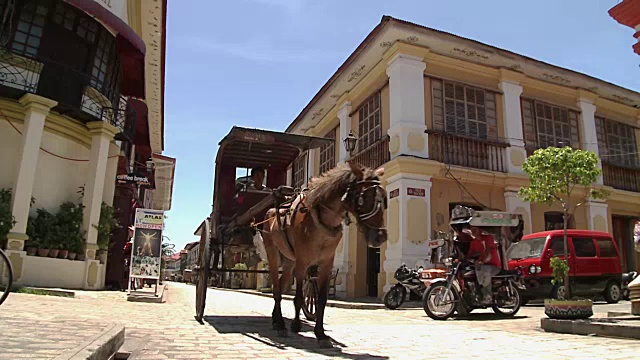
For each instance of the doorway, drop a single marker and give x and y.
(623, 235)
(373, 269)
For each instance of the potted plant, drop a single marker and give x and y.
(237, 281)
(563, 176)
(6, 217)
(42, 231)
(565, 308)
(69, 227)
(105, 227)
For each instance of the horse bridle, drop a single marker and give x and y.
(355, 199)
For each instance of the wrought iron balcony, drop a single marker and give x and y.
(375, 155)
(466, 151)
(621, 177)
(72, 89)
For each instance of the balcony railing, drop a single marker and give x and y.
(621, 177)
(69, 87)
(375, 155)
(468, 152)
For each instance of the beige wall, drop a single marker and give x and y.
(57, 180)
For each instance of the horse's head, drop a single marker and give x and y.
(366, 199)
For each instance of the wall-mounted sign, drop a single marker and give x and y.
(117, 7)
(415, 192)
(133, 178)
(394, 193)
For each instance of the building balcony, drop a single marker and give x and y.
(375, 155)
(468, 152)
(72, 89)
(621, 177)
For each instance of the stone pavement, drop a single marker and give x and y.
(238, 326)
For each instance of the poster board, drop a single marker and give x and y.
(146, 251)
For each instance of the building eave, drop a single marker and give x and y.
(391, 30)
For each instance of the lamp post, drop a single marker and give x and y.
(350, 143)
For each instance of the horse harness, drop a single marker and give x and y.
(352, 197)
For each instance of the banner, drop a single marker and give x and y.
(147, 244)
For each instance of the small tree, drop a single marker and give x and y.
(554, 174)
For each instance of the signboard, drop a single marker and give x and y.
(415, 192)
(435, 243)
(147, 244)
(394, 193)
(489, 218)
(133, 178)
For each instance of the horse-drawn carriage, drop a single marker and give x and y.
(239, 206)
(295, 229)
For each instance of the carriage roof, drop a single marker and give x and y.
(247, 148)
(466, 215)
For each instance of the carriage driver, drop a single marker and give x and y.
(483, 248)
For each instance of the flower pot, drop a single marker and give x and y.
(31, 251)
(62, 254)
(53, 253)
(80, 257)
(43, 252)
(568, 309)
(71, 256)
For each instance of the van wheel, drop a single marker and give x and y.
(612, 293)
(559, 292)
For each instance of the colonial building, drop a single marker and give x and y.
(452, 120)
(81, 101)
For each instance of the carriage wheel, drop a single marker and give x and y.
(203, 272)
(310, 291)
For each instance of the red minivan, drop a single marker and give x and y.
(594, 262)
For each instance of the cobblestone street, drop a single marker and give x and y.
(238, 327)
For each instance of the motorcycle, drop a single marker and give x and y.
(460, 292)
(408, 281)
(627, 278)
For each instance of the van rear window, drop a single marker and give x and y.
(606, 248)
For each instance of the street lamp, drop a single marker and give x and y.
(350, 143)
(150, 165)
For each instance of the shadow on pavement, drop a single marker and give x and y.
(489, 316)
(258, 328)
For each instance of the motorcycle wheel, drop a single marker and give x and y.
(394, 298)
(435, 294)
(517, 302)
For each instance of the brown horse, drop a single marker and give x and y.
(313, 231)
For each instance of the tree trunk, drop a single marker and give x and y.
(567, 286)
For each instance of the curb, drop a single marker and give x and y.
(101, 347)
(330, 302)
(599, 327)
(149, 297)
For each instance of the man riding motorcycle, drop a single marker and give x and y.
(483, 250)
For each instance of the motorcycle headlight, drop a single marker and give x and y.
(447, 261)
(532, 269)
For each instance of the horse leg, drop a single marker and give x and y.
(298, 301)
(277, 321)
(284, 287)
(323, 292)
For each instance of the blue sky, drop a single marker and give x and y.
(257, 63)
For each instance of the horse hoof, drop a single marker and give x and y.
(296, 326)
(283, 333)
(325, 343)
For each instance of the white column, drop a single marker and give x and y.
(101, 135)
(289, 174)
(341, 259)
(112, 170)
(515, 204)
(36, 110)
(588, 129)
(345, 128)
(408, 223)
(597, 216)
(312, 170)
(406, 107)
(512, 122)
